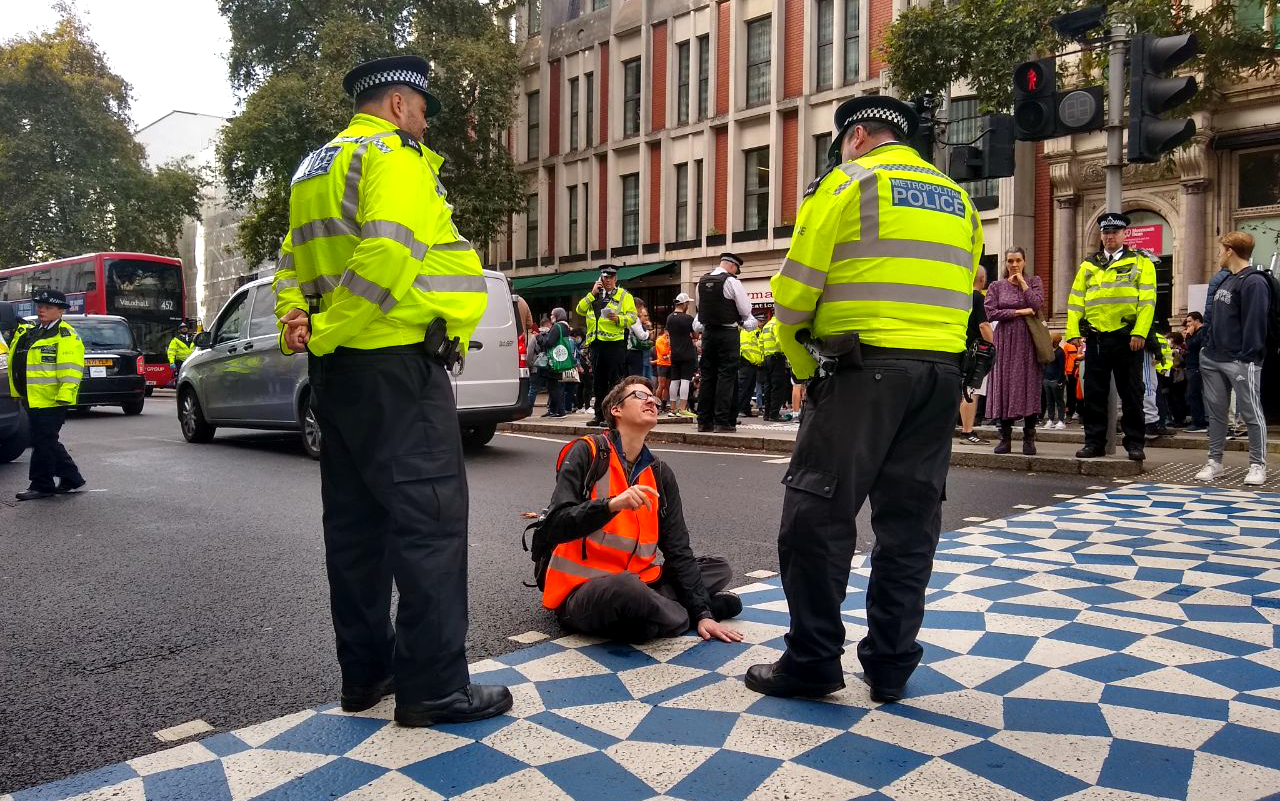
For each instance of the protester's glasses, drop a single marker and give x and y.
(641, 395)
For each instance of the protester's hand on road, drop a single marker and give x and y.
(297, 330)
(634, 498)
(708, 628)
(1136, 343)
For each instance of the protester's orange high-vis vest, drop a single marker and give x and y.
(662, 349)
(627, 542)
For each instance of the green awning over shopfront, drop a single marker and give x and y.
(567, 281)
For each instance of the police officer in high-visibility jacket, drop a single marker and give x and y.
(776, 374)
(376, 283)
(45, 368)
(180, 348)
(879, 282)
(1111, 305)
(749, 362)
(610, 310)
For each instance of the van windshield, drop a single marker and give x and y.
(104, 334)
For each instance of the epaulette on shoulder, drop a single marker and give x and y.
(408, 141)
(816, 182)
(66, 331)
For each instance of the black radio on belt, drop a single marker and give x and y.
(440, 346)
(978, 360)
(833, 351)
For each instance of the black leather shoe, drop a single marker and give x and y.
(1088, 452)
(65, 486)
(703, 429)
(884, 695)
(768, 680)
(726, 429)
(1137, 454)
(473, 702)
(725, 605)
(32, 495)
(359, 698)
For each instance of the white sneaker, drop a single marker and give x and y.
(1257, 475)
(1210, 471)
(1059, 425)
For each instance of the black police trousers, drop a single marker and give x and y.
(883, 431)
(1108, 355)
(718, 392)
(748, 377)
(395, 506)
(622, 607)
(49, 459)
(608, 362)
(777, 384)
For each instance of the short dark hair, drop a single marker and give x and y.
(376, 94)
(615, 396)
(1195, 315)
(877, 127)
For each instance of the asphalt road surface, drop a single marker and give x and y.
(188, 581)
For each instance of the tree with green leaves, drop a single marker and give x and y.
(72, 177)
(288, 57)
(931, 46)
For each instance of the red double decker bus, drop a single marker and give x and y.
(146, 290)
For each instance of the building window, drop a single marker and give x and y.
(704, 76)
(596, 5)
(573, 113)
(631, 209)
(852, 40)
(964, 124)
(631, 97)
(756, 194)
(586, 216)
(535, 17)
(682, 201)
(591, 108)
(821, 144)
(826, 34)
(531, 227)
(535, 118)
(1258, 179)
(573, 220)
(758, 60)
(682, 83)
(1258, 14)
(697, 199)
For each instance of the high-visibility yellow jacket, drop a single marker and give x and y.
(1114, 296)
(622, 302)
(768, 339)
(886, 246)
(179, 350)
(749, 345)
(55, 365)
(372, 247)
(1164, 363)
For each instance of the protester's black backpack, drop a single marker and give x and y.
(1273, 315)
(535, 539)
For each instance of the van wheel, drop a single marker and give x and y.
(13, 447)
(132, 407)
(478, 436)
(147, 392)
(191, 418)
(310, 428)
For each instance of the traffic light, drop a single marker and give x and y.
(1150, 94)
(993, 160)
(1078, 110)
(1034, 84)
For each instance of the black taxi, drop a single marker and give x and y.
(114, 373)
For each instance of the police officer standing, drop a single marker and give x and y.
(878, 280)
(45, 368)
(376, 283)
(774, 371)
(1112, 304)
(610, 311)
(180, 348)
(722, 306)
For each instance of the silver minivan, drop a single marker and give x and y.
(238, 378)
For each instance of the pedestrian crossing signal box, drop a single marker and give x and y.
(1034, 85)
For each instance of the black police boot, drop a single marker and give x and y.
(725, 605)
(32, 495)
(770, 680)
(358, 698)
(884, 695)
(473, 702)
(66, 485)
(1137, 454)
(1089, 452)
(1006, 436)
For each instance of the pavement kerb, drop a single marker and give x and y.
(1177, 441)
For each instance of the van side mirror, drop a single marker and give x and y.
(8, 318)
(203, 339)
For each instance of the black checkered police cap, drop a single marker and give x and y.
(50, 297)
(1113, 220)
(412, 71)
(873, 108)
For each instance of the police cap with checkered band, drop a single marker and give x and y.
(411, 71)
(874, 108)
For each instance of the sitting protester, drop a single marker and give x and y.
(615, 508)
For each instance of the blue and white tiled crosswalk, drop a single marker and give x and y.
(1123, 645)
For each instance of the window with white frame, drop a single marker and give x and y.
(590, 78)
(852, 40)
(682, 83)
(697, 199)
(573, 220)
(631, 97)
(682, 201)
(1257, 198)
(821, 144)
(759, 60)
(534, 125)
(631, 209)
(826, 13)
(756, 190)
(573, 113)
(531, 226)
(704, 76)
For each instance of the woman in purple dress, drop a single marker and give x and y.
(1014, 388)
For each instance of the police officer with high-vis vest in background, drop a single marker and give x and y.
(776, 374)
(377, 285)
(749, 361)
(180, 348)
(610, 310)
(45, 369)
(878, 281)
(1111, 305)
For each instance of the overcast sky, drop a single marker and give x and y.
(172, 52)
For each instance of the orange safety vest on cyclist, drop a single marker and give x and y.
(627, 542)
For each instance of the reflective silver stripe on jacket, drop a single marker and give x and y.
(53, 379)
(457, 244)
(286, 283)
(868, 200)
(451, 283)
(803, 273)
(285, 262)
(903, 249)
(1111, 301)
(397, 232)
(52, 368)
(899, 293)
(790, 316)
(1075, 307)
(376, 294)
(573, 568)
(325, 226)
(644, 550)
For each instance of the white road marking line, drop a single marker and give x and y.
(1023, 506)
(760, 574)
(976, 519)
(783, 460)
(183, 730)
(1063, 495)
(529, 637)
(92, 490)
(1123, 481)
(1095, 488)
(561, 440)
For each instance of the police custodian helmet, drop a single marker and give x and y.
(873, 108)
(411, 71)
(51, 297)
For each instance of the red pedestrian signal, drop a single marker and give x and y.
(1034, 83)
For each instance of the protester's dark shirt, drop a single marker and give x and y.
(977, 316)
(680, 327)
(1056, 370)
(1241, 304)
(1195, 341)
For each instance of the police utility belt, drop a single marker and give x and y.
(847, 351)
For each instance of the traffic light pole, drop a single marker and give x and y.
(1116, 80)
